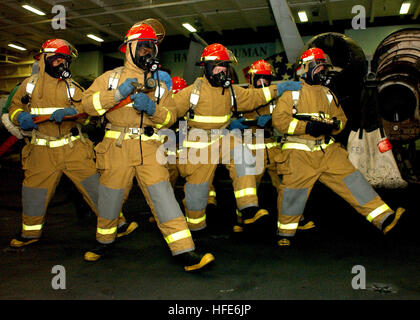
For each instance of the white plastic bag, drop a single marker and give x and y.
(379, 168)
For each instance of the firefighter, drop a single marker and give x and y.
(179, 84)
(309, 153)
(131, 142)
(261, 75)
(207, 104)
(56, 146)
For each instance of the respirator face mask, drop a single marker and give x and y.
(318, 73)
(145, 56)
(262, 83)
(60, 71)
(221, 79)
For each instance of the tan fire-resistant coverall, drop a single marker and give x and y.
(126, 152)
(305, 159)
(52, 150)
(213, 111)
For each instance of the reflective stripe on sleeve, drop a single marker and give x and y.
(14, 113)
(292, 126)
(97, 103)
(168, 118)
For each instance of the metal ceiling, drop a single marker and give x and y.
(110, 19)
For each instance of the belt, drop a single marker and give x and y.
(54, 143)
(305, 144)
(125, 133)
(41, 139)
(149, 131)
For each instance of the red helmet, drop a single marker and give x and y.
(261, 67)
(57, 46)
(215, 52)
(178, 84)
(314, 55)
(141, 32)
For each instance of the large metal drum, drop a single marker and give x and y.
(397, 65)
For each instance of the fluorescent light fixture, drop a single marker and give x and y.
(93, 37)
(16, 47)
(405, 6)
(302, 16)
(34, 10)
(189, 27)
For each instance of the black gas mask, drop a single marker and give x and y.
(257, 77)
(221, 79)
(60, 71)
(325, 78)
(145, 55)
(318, 73)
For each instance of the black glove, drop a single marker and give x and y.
(316, 129)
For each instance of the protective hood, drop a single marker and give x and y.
(146, 63)
(130, 68)
(45, 83)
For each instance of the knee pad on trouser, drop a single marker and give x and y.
(110, 201)
(171, 221)
(369, 202)
(33, 204)
(291, 206)
(91, 186)
(196, 199)
(244, 161)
